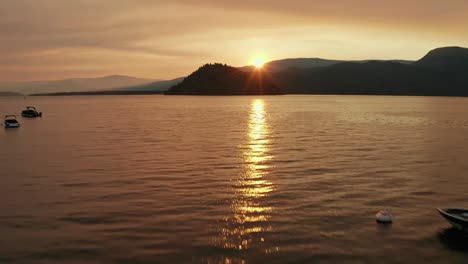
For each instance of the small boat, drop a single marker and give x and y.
(11, 122)
(384, 217)
(31, 112)
(456, 216)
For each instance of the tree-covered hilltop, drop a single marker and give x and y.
(221, 79)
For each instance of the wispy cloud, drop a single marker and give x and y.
(55, 38)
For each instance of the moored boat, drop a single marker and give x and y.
(11, 122)
(457, 217)
(384, 217)
(31, 111)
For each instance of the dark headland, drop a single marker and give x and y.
(221, 79)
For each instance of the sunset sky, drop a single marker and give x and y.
(54, 39)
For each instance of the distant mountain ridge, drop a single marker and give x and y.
(157, 86)
(442, 72)
(279, 65)
(7, 93)
(73, 85)
(306, 63)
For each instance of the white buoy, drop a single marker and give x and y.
(384, 217)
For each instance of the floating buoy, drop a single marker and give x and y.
(384, 217)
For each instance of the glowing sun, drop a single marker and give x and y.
(258, 62)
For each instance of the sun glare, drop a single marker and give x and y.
(258, 62)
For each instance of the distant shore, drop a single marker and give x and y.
(99, 93)
(9, 94)
(214, 95)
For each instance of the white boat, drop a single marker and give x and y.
(11, 122)
(384, 217)
(31, 112)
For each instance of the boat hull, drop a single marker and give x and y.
(11, 125)
(453, 217)
(31, 115)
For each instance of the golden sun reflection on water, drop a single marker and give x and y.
(250, 222)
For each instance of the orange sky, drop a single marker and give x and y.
(53, 39)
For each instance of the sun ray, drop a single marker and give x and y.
(258, 61)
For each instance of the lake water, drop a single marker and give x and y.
(285, 179)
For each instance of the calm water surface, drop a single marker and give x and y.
(287, 179)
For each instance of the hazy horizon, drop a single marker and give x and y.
(51, 39)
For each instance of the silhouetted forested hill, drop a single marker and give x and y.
(219, 79)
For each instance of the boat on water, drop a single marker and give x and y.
(31, 111)
(456, 216)
(384, 217)
(11, 122)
